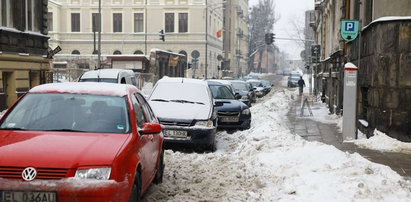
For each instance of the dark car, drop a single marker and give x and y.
(242, 91)
(232, 114)
(293, 81)
(267, 86)
(186, 109)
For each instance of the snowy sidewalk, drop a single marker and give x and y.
(312, 129)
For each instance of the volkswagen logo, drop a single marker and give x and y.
(29, 174)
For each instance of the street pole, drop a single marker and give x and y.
(145, 29)
(99, 36)
(206, 44)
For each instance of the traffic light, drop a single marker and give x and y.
(162, 36)
(272, 37)
(269, 38)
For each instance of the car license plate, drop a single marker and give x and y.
(229, 119)
(176, 133)
(27, 196)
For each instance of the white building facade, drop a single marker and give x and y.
(132, 27)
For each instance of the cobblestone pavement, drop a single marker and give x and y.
(312, 130)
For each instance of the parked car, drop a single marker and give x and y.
(186, 109)
(257, 86)
(232, 114)
(267, 86)
(293, 81)
(122, 76)
(225, 82)
(242, 91)
(80, 142)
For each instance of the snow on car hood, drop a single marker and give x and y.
(58, 149)
(176, 110)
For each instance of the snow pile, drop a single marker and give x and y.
(268, 163)
(381, 141)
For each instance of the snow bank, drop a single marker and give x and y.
(381, 141)
(269, 163)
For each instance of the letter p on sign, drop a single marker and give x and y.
(349, 26)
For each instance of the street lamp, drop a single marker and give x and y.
(206, 33)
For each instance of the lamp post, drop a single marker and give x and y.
(206, 34)
(99, 36)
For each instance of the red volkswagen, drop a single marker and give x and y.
(79, 142)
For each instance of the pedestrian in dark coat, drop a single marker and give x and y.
(301, 84)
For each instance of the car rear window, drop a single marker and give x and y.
(69, 112)
(106, 80)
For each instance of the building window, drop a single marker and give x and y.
(182, 22)
(169, 22)
(138, 52)
(117, 22)
(138, 22)
(75, 52)
(50, 21)
(6, 13)
(94, 21)
(75, 22)
(117, 52)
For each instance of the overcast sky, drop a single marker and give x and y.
(290, 12)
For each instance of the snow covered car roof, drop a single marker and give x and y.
(105, 73)
(84, 88)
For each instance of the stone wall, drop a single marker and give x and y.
(384, 78)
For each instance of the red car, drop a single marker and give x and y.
(79, 142)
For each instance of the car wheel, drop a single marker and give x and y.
(158, 179)
(135, 195)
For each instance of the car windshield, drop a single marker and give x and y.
(69, 112)
(256, 84)
(221, 92)
(106, 80)
(191, 93)
(266, 83)
(295, 78)
(239, 86)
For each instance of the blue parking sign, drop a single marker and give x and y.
(349, 29)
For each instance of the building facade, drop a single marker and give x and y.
(382, 54)
(236, 38)
(23, 48)
(132, 27)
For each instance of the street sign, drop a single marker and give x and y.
(315, 53)
(349, 29)
(51, 53)
(195, 54)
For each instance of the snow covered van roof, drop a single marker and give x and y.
(104, 73)
(84, 88)
(181, 80)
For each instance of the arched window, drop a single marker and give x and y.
(138, 52)
(75, 52)
(183, 53)
(117, 52)
(95, 52)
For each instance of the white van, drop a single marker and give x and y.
(123, 76)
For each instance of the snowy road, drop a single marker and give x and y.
(268, 163)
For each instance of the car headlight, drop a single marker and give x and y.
(205, 123)
(94, 173)
(246, 111)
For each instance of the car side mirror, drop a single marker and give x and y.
(237, 96)
(151, 128)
